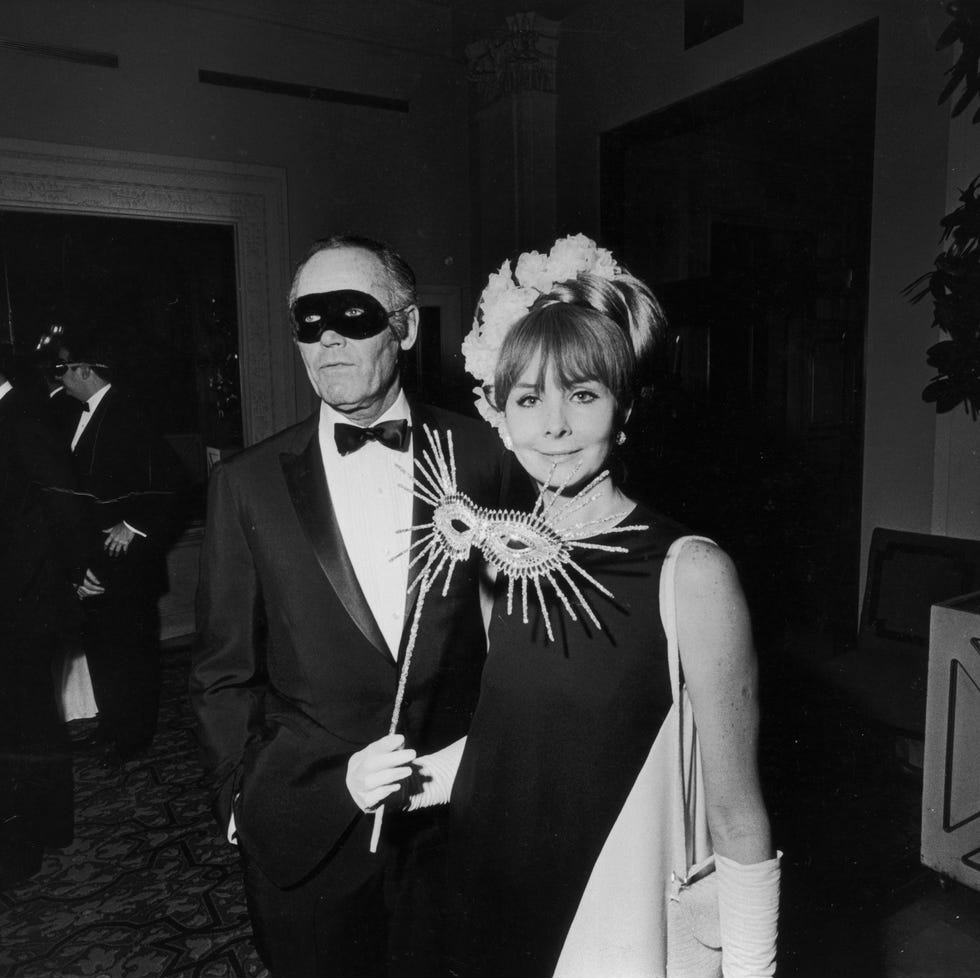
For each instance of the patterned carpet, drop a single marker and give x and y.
(148, 888)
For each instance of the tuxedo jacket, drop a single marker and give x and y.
(128, 473)
(63, 412)
(41, 541)
(291, 674)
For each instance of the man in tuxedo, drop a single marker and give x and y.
(304, 617)
(130, 478)
(40, 559)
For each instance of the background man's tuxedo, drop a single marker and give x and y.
(41, 538)
(292, 674)
(63, 411)
(126, 473)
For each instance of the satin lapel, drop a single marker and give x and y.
(83, 454)
(86, 444)
(311, 499)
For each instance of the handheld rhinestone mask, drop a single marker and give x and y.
(525, 547)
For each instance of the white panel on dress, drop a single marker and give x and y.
(620, 927)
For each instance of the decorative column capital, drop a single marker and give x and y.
(521, 57)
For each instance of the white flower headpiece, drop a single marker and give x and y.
(510, 293)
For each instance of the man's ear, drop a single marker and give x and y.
(411, 328)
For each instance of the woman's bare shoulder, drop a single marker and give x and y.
(703, 567)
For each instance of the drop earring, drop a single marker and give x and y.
(620, 437)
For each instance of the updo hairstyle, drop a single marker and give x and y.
(626, 301)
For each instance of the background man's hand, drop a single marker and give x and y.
(118, 538)
(90, 587)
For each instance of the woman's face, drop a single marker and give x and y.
(560, 435)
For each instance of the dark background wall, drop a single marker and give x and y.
(399, 175)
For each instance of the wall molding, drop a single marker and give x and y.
(36, 176)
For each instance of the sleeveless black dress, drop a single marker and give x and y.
(560, 734)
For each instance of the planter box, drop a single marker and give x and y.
(951, 771)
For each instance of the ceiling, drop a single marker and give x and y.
(410, 24)
(499, 9)
(488, 14)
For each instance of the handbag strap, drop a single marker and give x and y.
(683, 842)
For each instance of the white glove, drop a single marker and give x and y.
(375, 772)
(748, 907)
(438, 772)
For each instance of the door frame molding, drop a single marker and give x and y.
(54, 178)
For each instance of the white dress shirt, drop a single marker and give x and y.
(4, 388)
(86, 416)
(371, 506)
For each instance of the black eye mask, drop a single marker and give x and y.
(354, 315)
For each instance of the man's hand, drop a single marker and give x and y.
(91, 587)
(375, 772)
(118, 538)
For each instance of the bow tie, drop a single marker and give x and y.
(85, 406)
(393, 434)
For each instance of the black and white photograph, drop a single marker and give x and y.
(489, 490)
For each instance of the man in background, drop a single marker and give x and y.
(130, 479)
(41, 559)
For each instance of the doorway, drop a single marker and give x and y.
(748, 207)
(163, 293)
(250, 199)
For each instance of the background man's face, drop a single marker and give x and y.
(69, 379)
(356, 377)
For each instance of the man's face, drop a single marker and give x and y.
(70, 379)
(357, 377)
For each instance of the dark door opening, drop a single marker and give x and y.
(162, 292)
(748, 207)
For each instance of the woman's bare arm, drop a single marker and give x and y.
(718, 659)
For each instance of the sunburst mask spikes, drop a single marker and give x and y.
(525, 547)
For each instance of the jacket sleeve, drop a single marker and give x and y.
(227, 678)
(154, 508)
(43, 516)
(66, 511)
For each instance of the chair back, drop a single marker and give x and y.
(907, 574)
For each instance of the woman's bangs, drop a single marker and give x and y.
(577, 356)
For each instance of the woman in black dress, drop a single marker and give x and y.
(560, 862)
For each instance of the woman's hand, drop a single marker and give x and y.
(375, 772)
